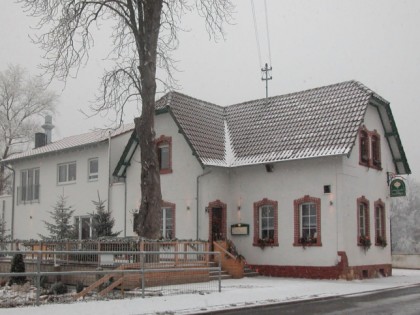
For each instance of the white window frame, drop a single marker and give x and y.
(93, 176)
(67, 180)
(29, 189)
(268, 220)
(78, 220)
(165, 227)
(379, 226)
(362, 217)
(311, 217)
(164, 159)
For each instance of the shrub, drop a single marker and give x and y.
(17, 265)
(58, 288)
(79, 286)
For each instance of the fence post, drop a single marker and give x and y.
(220, 271)
(142, 273)
(38, 277)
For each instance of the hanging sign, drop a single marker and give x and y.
(239, 229)
(397, 188)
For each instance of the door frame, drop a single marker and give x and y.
(217, 204)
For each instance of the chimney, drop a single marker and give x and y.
(40, 139)
(47, 126)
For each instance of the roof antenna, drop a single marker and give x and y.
(265, 77)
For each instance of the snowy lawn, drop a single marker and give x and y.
(235, 293)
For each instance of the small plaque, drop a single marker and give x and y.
(239, 229)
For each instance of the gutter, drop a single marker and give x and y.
(197, 197)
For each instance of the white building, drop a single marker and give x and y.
(298, 182)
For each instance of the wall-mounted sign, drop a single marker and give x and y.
(239, 229)
(397, 188)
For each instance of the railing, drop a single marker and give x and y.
(149, 271)
(50, 251)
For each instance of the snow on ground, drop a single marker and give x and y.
(235, 293)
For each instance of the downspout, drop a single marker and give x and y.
(12, 228)
(125, 207)
(109, 169)
(197, 198)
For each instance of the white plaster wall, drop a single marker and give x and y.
(29, 217)
(289, 181)
(356, 181)
(178, 187)
(6, 211)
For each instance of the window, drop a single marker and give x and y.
(380, 234)
(83, 224)
(29, 189)
(67, 172)
(93, 169)
(376, 151)
(364, 147)
(370, 148)
(307, 221)
(167, 223)
(164, 152)
(265, 223)
(363, 221)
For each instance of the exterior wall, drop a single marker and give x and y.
(289, 181)
(6, 213)
(30, 217)
(355, 181)
(178, 187)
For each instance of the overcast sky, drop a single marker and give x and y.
(313, 43)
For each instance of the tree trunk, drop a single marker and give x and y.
(147, 222)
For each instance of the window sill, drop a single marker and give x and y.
(307, 245)
(66, 183)
(166, 171)
(265, 245)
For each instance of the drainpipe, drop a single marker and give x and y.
(12, 229)
(125, 207)
(109, 169)
(197, 197)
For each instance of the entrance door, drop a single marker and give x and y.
(217, 224)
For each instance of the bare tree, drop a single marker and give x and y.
(143, 35)
(22, 100)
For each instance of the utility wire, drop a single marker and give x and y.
(256, 33)
(268, 34)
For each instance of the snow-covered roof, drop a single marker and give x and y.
(314, 123)
(72, 142)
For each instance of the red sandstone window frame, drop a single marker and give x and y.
(370, 148)
(172, 207)
(258, 241)
(164, 142)
(363, 202)
(380, 223)
(298, 237)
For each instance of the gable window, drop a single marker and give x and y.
(29, 189)
(370, 148)
(265, 223)
(307, 221)
(167, 223)
(376, 150)
(364, 148)
(363, 221)
(83, 227)
(66, 172)
(93, 169)
(380, 232)
(164, 152)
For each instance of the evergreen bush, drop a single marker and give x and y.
(17, 265)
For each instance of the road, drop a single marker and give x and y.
(405, 301)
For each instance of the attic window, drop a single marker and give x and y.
(370, 149)
(164, 152)
(364, 147)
